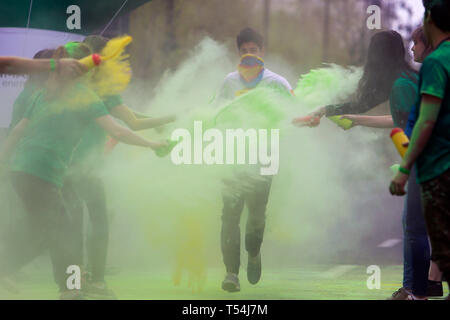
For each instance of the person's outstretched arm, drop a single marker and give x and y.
(127, 115)
(362, 106)
(347, 108)
(381, 122)
(124, 134)
(16, 65)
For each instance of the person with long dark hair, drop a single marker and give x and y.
(388, 76)
(416, 251)
(413, 209)
(385, 66)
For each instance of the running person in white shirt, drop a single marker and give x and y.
(251, 73)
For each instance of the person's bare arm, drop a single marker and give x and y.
(124, 134)
(139, 115)
(370, 121)
(17, 65)
(127, 115)
(343, 109)
(13, 138)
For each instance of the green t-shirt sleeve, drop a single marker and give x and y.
(94, 107)
(112, 101)
(97, 109)
(434, 78)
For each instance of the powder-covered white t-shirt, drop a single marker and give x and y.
(233, 84)
(231, 88)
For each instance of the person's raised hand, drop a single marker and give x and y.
(306, 121)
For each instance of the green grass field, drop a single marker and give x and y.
(314, 282)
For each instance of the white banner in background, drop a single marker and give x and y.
(23, 42)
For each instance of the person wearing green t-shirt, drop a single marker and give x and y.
(84, 185)
(34, 82)
(42, 144)
(429, 148)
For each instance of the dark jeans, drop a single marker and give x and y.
(233, 206)
(90, 190)
(47, 227)
(436, 206)
(416, 249)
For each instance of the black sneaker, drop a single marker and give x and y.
(254, 268)
(231, 283)
(99, 291)
(400, 294)
(434, 289)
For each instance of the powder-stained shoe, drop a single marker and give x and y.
(99, 291)
(434, 289)
(254, 268)
(71, 295)
(400, 294)
(231, 283)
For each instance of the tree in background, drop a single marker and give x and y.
(266, 21)
(302, 33)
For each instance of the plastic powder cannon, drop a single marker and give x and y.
(399, 139)
(96, 59)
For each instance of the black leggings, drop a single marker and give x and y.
(47, 227)
(89, 189)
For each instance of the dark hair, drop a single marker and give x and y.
(76, 50)
(386, 60)
(95, 42)
(249, 35)
(440, 13)
(39, 78)
(44, 54)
